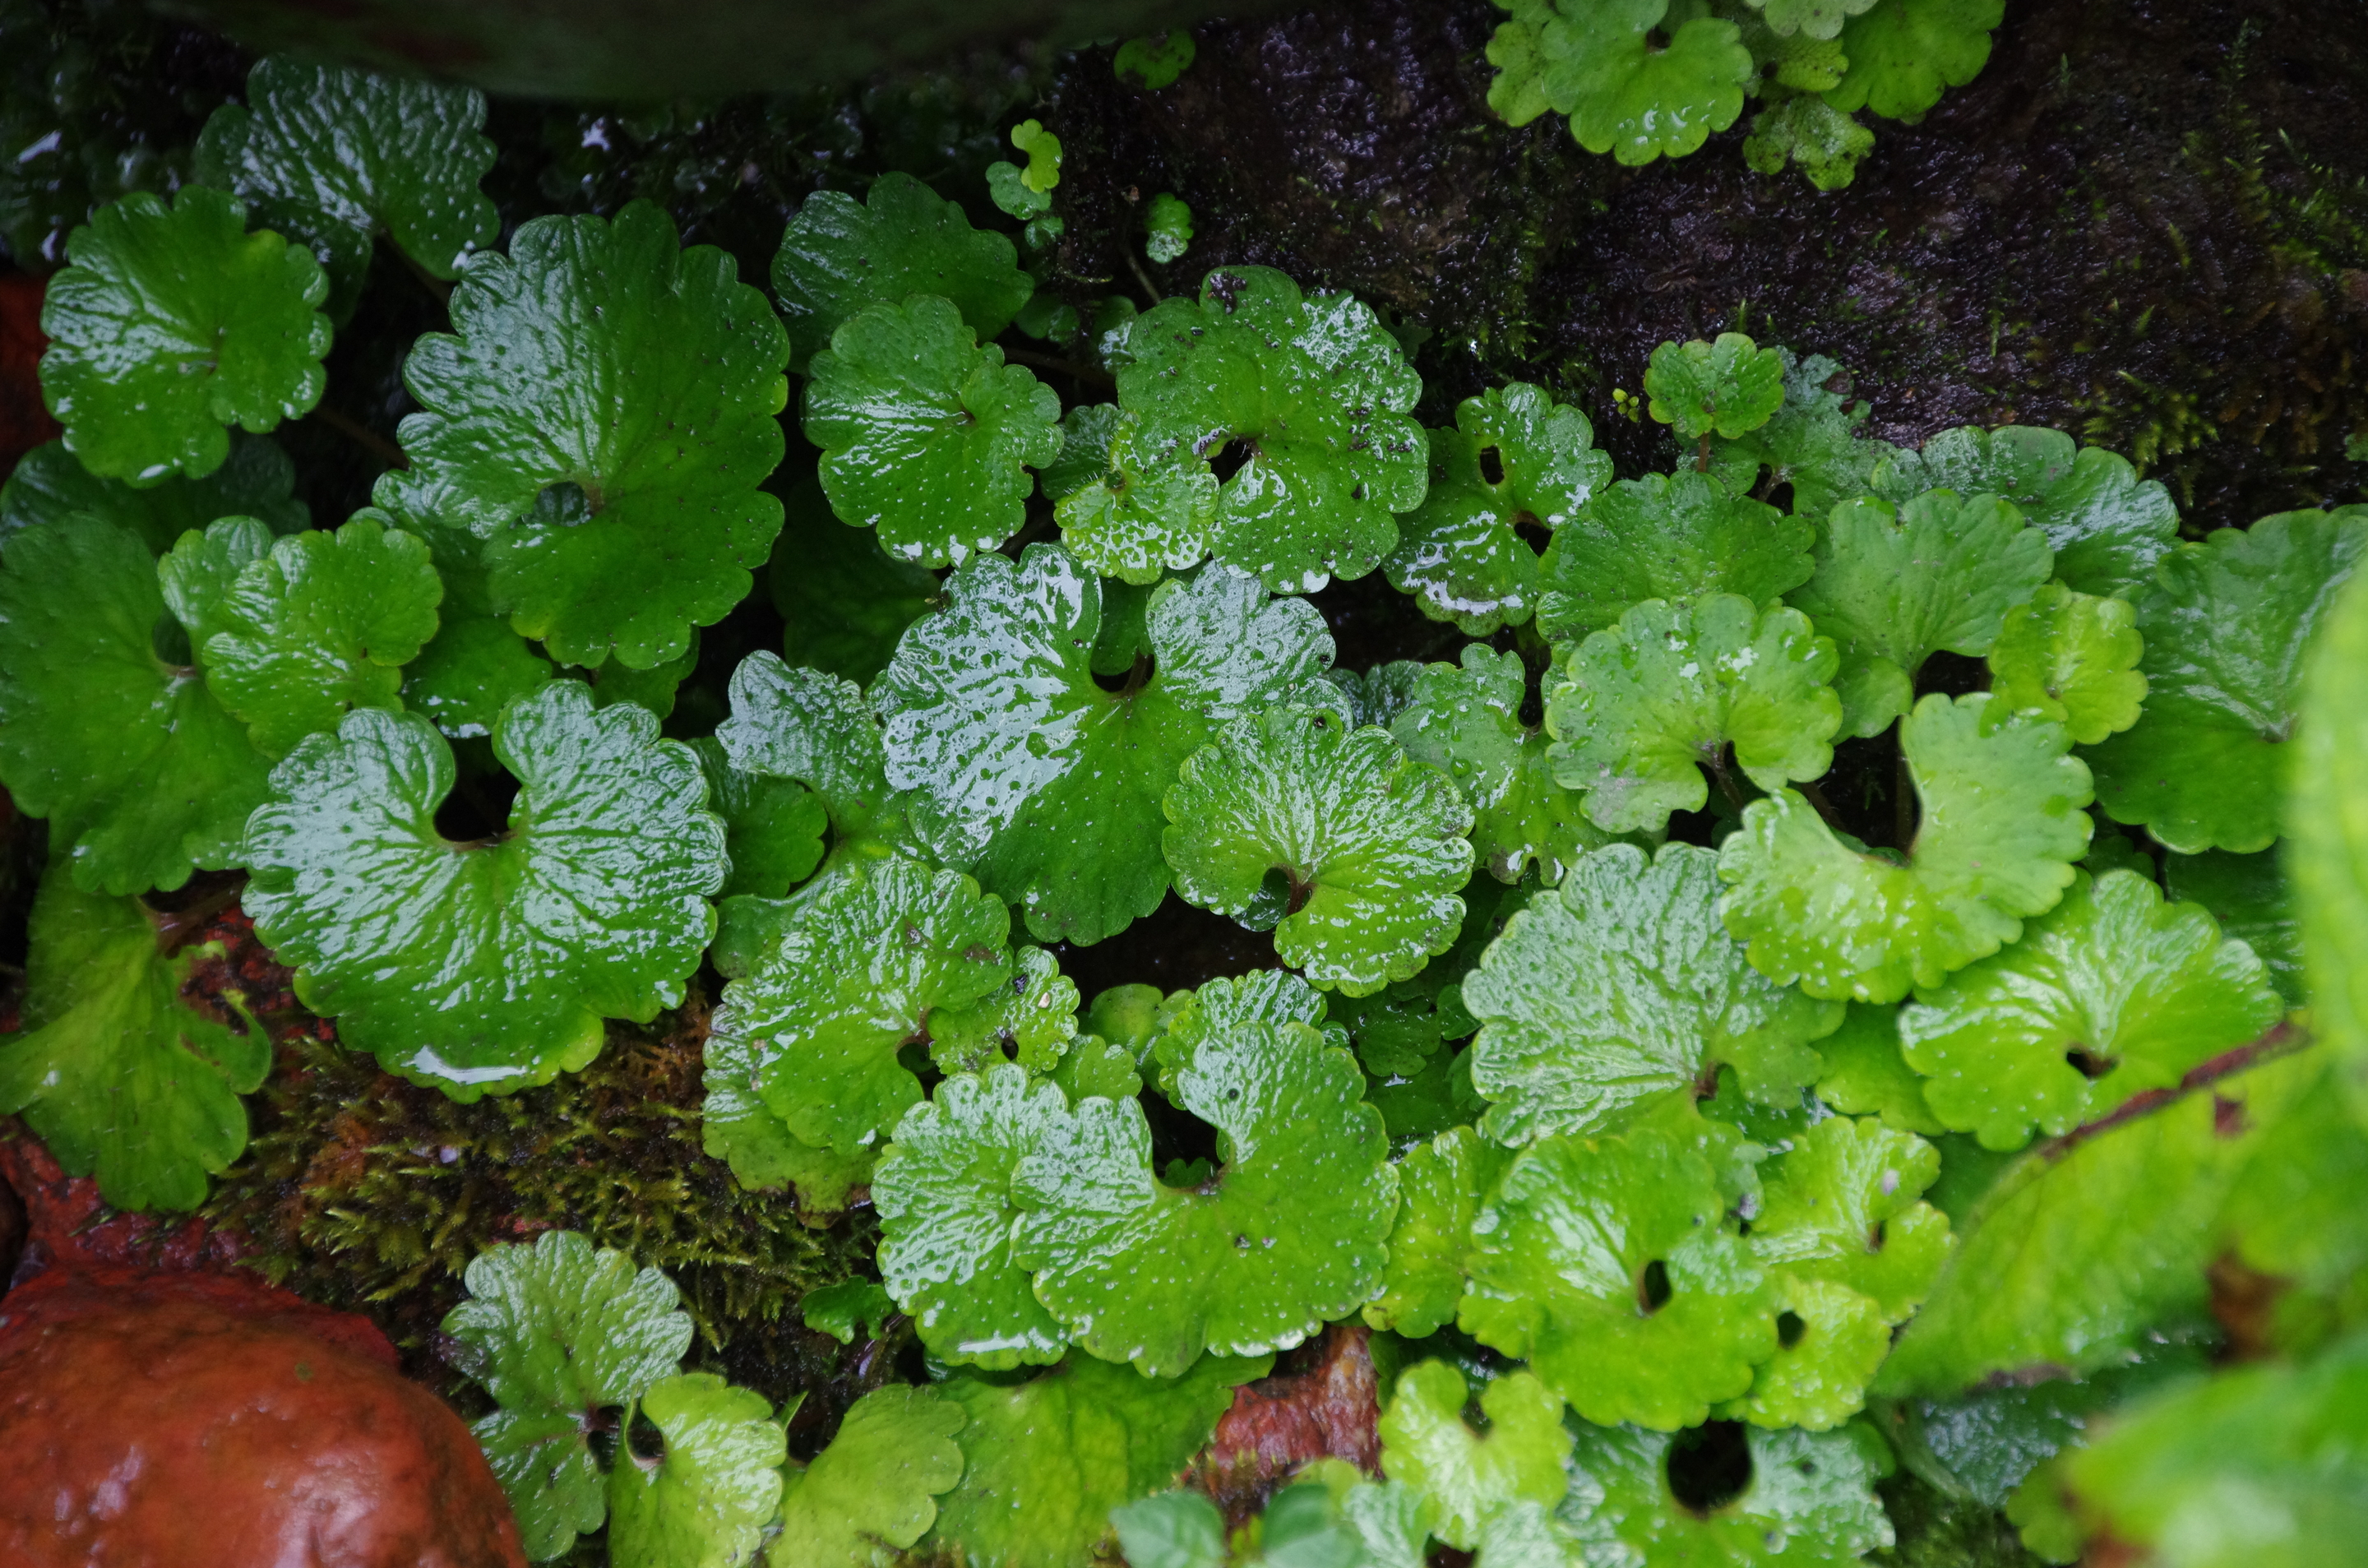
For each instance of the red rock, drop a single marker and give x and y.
(24, 422)
(1331, 1409)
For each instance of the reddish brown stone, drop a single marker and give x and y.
(1329, 1408)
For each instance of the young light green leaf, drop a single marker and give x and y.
(944, 1194)
(1808, 1498)
(1024, 770)
(1426, 1444)
(2071, 658)
(1621, 994)
(601, 417)
(765, 1157)
(1866, 1076)
(1172, 1530)
(844, 601)
(1903, 54)
(2110, 994)
(473, 669)
(1672, 536)
(773, 828)
(1031, 1020)
(1044, 149)
(927, 437)
(171, 322)
(1811, 19)
(142, 774)
(1649, 705)
(875, 1486)
(706, 1501)
(2106, 526)
(1135, 514)
(1610, 1265)
(198, 573)
(1895, 585)
(50, 484)
(1811, 445)
(2002, 825)
(338, 156)
(839, 258)
(1441, 1183)
(320, 626)
(1516, 459)
(858, 971)
(1628, 93)
(1315, 392)
(1466, 722)
(112, 1071)
(1728, 387)
(1168, 228)
(1288, 1234)
(2228, 625)
(847, 1309)
(479, 968)
(1369, 846)
(1808, 132)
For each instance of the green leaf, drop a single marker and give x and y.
(1047, 1460)
(2106, 526)
(319, 628)
(1026, 772)
(838, 259)
(142, 773)
(50, 484)
(1379, 695)
(1441, 1184)
(473, 669)
(925, 435)
(2328, 855)
(1466, 722)
(1168, 228)
(1517, 49)
(844, 601)
(2002, 825)
(1516, 459)
(1866, 1076)
(876, 1486)
(2076, 1256)
(338, 156)
(1825, 143)
(765, 1157)
(1426, 1444)
(1811, 444)
(171, 322)
(1631, 95)
(2227, 625)
(773, 828)
(2071, 658)
(2250, 896)
(198, 573)
(1811, 19)
(859, 970)
(601, 417)
(480, 968)
(1150, 63)
(943, 1195)
(818, 730)
(1312, 389)
(1895, 585)
(1287, 1234)
(1172, 1530)
(706, 1501)
(1903, 54)
(2109, 995)
(1728, 387)
(1809, 1499)
(1610, 1265)
(112, 1071)
(558, 1333)
(1044, 149)
(1133, 514)
(845, 1309)
(1622, 993)
(1369, 845)
(2261, 1467)
(1649, 705)
(1031, 1020)
(1672, 536)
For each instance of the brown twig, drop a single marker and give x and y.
(361, 435)
(2282, 1039)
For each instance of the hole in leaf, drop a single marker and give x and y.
(1710, 1467)
(1492, 465)
(477, 812)
(1129, 681)
(1951, 675)
(1230, 458)
(563, 506)
(1789, 1329)
(169, 641)
(1653, 1288)
(2088, 1064)
(1179, 1141)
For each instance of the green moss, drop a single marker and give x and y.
(1939, 1531)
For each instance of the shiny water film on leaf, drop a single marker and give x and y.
(1673, 537)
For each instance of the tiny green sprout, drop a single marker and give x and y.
(1153, 63)
(1168, 223)
(1044, 149)
(1728, 387)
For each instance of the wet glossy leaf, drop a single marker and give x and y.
(112, 1070)
(1810, 1499)
(1426, 1444)
(1631, 93)
(172, 323)
(944, 1194)
(1811, 444)
(1622, 993)
(876, 1486)
(1172, 1530)
(1895, 585)
(2110, 994)
(1903, 54)
(818, 729)
(1168, 228)
(2251, 896)
(2229, 624)
(847, 1309)
(473, 669)
(1316, 393)
(1610, 1265)
(1516, 459)
(1824, 143)
(706, 1501)
(1024, 770)
(1030, 1019)
(1866, 1076)
(844, 601)
(1674, 537)
(2107, 527)
(50, 484)
(1441, 1184)
(773, 828)
(1047, 1460)
(1136, 514)
(1647, 706)
(142, 774)
(2071, 658)
(1729, 386)
(1369, 845)
(1379, 695)
(2002, 825)
(1811, 19)
(601, 417)
(479, 968)
(839, 257)
(1466, 722)
(927, 437)
(1288, 1234)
